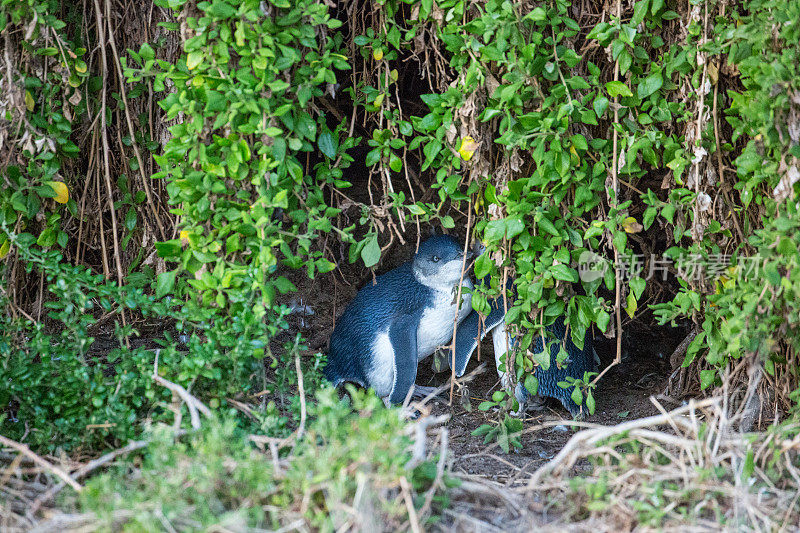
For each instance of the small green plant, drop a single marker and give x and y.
(581, 388)
(216, 478)
(505, 432)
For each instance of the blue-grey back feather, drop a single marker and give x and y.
(394, 295)
(579, 361)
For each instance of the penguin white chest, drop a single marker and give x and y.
(436, 325)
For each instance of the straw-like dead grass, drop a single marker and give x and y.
(688, 469)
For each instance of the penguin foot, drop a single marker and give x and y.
(527, 401)
(420, 392)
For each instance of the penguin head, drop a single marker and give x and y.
(438, 261)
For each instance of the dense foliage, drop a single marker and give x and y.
(655, 133)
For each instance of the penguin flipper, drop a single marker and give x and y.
(467, 335)
(403, 336)
(470, 332)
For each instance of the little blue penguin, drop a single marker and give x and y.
(399, 320)
(472, 329)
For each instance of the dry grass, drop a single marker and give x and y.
(690, 469)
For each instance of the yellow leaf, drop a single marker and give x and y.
(184, 236)
(632, 305)
(573, 151)
(61, 190)
(630, 225)
(5, 248)
(479, 204)
(378, 100)
(468, 147)
(713, 72)
(194, 59)
(29, 100)
(80, 67)
(377, 54)
(393, 75)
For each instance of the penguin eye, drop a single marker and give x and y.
(435, 258)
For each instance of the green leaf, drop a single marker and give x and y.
(590, 405)
(393, 37)
(514, 226)
(771, 272)
(284, 285)
(632, 305)
(639, 12)
(617, 88)
(542, 359)
(637, 285)
(323, 265)
(538, 14)
(532, 384)
(649, 85)
(147, 52)
(395, 163)
(485, 406)
(603, 319)
(326, 144)
(194, 59)
(482, 429)
(415, 209)
(483, 266)
(576, 396)
(373, 156)
(371, 252)
(600, 105)
(165, 283)
(281, 199)
(495, 230)
(548, 226)
(649, 216)
(130, 219)
(306, 126)
(579, 142)
(564, 273)
(221, 9)
(168, 249)
(707, 378)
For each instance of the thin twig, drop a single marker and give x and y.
(615, 187)
(421, 432)
(150, 202)
(302, 390)
(589, 438)
(101, 37)
(193, 404)
(459, 303)
(92, 466)
(412, 513)
(23, 449)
